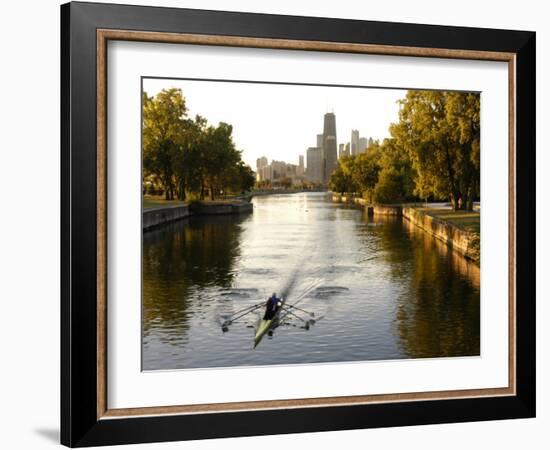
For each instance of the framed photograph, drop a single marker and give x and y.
(276, 224)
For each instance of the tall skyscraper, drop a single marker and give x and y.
(330, 155)
(314, 164)
(354, 142)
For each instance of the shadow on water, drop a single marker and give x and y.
(182, 258)
(437, 312)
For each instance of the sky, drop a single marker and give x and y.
(282, 121)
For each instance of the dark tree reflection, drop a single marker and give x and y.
(438, 311)
(182, 258)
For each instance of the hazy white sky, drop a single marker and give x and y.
(282, 121)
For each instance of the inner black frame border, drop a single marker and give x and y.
(79, 423)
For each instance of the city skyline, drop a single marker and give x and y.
(322, 160)
(259, 112)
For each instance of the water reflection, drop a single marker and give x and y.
(441, 316)
(383, 288)
(437, 312)
(180, 259)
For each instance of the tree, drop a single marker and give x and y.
(246, 175)
(187, 155)
(440, 133)
(366, 170)
(390, 186)
(339, 180)
(163, 119)
(188, 168)
(463, 117)
(219, 156)
(393, 157)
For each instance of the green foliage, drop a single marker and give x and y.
(187, 156)
(366, 168)
(390, 186)
(163, 119)
(440, 132)
(433, 152)
(340, 181)
(246, 177)
(364, 173)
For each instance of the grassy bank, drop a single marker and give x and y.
(159, 202)
(465, 220)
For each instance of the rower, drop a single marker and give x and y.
(271, 306)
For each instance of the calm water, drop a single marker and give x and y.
(379, 288)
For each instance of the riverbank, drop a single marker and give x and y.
(155, 216)
(458, 230)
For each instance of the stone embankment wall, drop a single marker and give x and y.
(388, 210)
(215, 208)
(462, 241)
(157, 216)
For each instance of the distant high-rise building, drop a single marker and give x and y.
(370, 142)
(363, 144)
(314, 163)
(343, 150)
(265, 173)
(278, 169)
(300, 169)
(279, 172)
(354, 142)
(330, 154)
(320, 140)
(261, 164)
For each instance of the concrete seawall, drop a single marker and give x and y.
(464, 242)
(155, 217)
(216, 208)
(461, 241)
(386, 210)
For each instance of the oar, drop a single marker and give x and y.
(233, 319)
(307, 322)
(249, 307)
(300, 309)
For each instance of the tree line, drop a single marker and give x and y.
(186, 157)
(433, 152)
